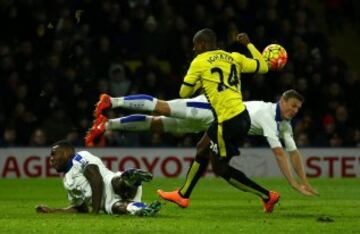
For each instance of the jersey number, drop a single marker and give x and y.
(232, 79)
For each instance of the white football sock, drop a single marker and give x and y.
(140, 102)
(135, 206)
(130, 123)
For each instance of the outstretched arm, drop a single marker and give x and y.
(296, 161)
(92, 174)
(71, 209)
(261, 65)
(283, 163)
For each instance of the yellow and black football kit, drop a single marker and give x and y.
(218, 73)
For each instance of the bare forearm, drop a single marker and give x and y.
(70, 209)
(64, 210)
(297, 163)
(283, 163)
(97, 189)
(94, 177)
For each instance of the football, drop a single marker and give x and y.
(275, 56)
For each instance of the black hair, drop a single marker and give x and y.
(64, 144)
(206, 35)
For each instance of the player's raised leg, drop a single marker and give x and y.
(140, 102)
(138, 122)
(178, 108)
(104, 103)
(189, 108)
(128, 123)
(134, 123)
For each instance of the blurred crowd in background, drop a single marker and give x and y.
(57, 57)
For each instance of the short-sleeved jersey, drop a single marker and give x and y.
(76, 184)
(219, 74)
(263, 116)
(266, 121)
(78, 187)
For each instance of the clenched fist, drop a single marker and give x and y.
(243, 38)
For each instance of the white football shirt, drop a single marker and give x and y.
(266, 121)
(78, 187)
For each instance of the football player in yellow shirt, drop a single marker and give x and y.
(218, 73)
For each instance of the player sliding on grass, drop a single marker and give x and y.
(90, 184)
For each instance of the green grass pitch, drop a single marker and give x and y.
(216, 207)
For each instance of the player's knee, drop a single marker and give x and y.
(162, 108)
(202, 151)
(203, 147)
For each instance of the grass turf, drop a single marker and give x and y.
(216, 207)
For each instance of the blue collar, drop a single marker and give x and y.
(69, 164)
(278, 112)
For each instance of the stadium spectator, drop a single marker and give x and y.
(326, 132)
(119, 81)
(343, 125)
(73, 137)
(9, 138)
(302, 140)
(356, 138)
(38, 138)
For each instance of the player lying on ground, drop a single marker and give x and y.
(90, 184)
(192, 115)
